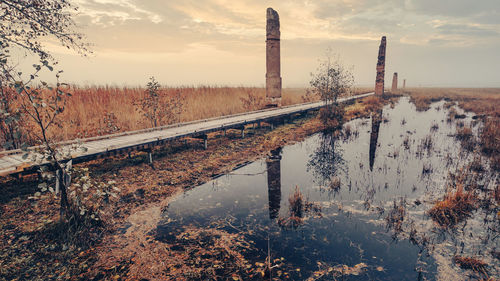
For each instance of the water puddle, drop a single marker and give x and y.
(352, 205)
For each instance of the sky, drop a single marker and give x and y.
(448, 43)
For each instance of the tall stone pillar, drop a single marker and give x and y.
(404, 83)
(394, 82)
(379, 82)
(273, 61)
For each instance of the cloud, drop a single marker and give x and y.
(212, 32)
(452, 8)
(467, 30)
(113, 12)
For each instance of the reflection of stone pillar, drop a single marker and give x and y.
(379, 82)
(274, 182)
(273, 61)
(376, 119)
(394, 82)
(404, 83)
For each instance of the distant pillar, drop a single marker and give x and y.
(379, 82)
(404, 83)
(273, 61)
(394, 82)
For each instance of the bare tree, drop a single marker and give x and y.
(25, 26)
(159, 108)
(331, 80)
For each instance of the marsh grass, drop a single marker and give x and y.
(100, 110)
(454, 207)
(298, 208)
(396, 216)
(471, 263)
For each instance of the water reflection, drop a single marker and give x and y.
(357, 226)
(273, 163)
(376, 120)
(327, 160)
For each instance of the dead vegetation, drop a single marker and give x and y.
(99, 110)
(474, 264)
(484, 102)
(490, 141)
(454, 207)
(298, 208)
(396, 216)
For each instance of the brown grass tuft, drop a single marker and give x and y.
(470, 263)
(298, 208)
(455, 207)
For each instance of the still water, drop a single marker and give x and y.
(354, 182)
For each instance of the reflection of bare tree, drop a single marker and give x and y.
(376, 119)
(326, 160)
(274, 182)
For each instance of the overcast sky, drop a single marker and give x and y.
(192, 42)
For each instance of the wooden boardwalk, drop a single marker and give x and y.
(12, 162)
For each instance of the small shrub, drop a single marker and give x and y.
(298, 208)
(253, 101)
(332, 116)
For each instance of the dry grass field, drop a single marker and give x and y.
(101, 110)
(96, 111)
(484, 101)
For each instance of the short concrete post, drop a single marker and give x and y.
(150, 157)
(243, 132)
(205, 143)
